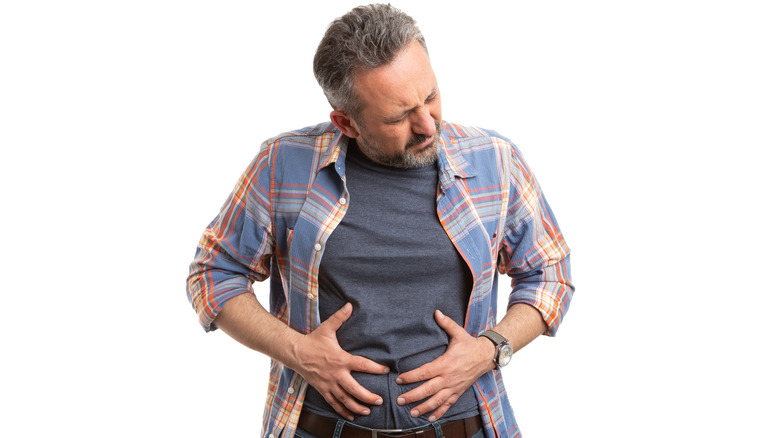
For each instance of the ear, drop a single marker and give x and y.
(345, 123)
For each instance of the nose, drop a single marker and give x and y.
(423, 123)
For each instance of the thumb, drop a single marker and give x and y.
(335, 321)
(450, 327)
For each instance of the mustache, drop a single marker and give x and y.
(422, 138)
(417, 139)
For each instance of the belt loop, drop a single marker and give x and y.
(337, 430)
(437, 428)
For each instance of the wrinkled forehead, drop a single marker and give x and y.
(403, 84)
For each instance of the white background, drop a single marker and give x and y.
(652, 127)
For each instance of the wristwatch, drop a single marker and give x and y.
(504, 351)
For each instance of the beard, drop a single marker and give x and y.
(411, 157)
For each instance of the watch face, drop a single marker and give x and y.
(504, 355)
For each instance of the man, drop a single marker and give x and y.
(383, 233)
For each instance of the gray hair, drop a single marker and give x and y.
(365, 38)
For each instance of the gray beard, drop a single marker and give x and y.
(404, 159)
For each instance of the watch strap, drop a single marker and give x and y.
(494, 337)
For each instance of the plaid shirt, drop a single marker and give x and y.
(277, 221)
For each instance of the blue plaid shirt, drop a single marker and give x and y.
(277, 221)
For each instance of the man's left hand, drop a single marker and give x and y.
(449, 375)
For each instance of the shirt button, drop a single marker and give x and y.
(290, 390)
(310, 296)
(317, 247)
(342, 201)
(270, 435)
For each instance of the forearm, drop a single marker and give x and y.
(317, 356)
(244, 319)
(522, 324)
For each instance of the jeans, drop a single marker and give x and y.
(300, 433)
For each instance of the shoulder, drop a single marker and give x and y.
(471, 138)
(485, 150)
(475, 144)
(317, 144)
(307, 135)
(293, 157)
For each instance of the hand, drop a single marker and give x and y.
(325, 365)
(449, 375)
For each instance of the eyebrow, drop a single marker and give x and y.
(403, 114)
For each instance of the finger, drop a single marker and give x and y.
(353, 406)
(337, 403)
(335, 321)
(354, 390)
(443, 408)
(435, 401)
(421, 373)
(426, 390)
(363, 365)
(343, 397)
(452, 328)
(439, 402)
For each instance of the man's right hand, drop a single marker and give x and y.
(321, 361)
(317, 357)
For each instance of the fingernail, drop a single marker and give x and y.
(432, 418)
(387, 370)
(350, 418)
(415, 413)
(365, 412)
(401, 401)
(399, 381)
(378, 401)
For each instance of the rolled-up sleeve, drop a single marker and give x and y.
(236, 248)
(534, 253)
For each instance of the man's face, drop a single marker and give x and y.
(401, 120)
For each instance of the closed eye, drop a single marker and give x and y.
(430, 99)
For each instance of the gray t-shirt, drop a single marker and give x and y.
(391, 258)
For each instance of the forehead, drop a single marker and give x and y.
(401, 85)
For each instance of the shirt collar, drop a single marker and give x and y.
(451, 161)
(334, 144)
